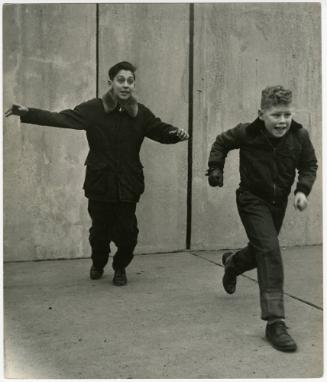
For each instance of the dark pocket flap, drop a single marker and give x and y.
(96, 165)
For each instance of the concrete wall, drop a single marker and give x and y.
(50, 62)
(244, 48)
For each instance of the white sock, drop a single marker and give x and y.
(272, 321)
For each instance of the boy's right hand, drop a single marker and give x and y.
(215, 177)
(300, 201)
(16, 109)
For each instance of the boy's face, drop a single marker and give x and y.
(123, 84)
(277, 119)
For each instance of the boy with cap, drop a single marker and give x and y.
(115, 127)
(271, 148)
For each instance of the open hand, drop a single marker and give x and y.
(16, 109)
(300, 201)
(181, 133)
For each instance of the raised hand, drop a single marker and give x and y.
(16, 109)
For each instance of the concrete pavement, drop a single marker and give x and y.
(172, 320)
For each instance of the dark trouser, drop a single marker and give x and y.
(262, 222)
(112, 222)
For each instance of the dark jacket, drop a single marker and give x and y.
(268, 165)
(115, 134)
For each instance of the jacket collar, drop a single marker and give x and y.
(258, 124)
(110, 103)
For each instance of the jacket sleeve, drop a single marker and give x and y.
(307, 165)
(226, 141)
(157, 130)
(67, 119)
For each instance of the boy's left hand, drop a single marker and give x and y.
(300, 201)
(181, 133)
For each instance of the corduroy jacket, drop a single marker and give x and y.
(268, 165)
(115, 134)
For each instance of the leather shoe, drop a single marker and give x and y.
(95, 274)
(277, 335)
(120, 278)
(229, 278)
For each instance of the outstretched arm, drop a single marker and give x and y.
(162, 132)
(69, 119)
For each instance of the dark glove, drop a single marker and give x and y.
(215, 177)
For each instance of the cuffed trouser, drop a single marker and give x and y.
(262, 222)
(112, 222)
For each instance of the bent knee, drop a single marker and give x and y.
(268, 247)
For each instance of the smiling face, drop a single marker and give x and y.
(277, 119)
(123, 84)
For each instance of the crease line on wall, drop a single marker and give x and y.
(96, 50)
(190, 129)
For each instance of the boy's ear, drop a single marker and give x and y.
(260, 112)
(109, 83)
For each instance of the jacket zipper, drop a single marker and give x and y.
(274, 155)
(117, 175)
(274, 194)
(274, 185)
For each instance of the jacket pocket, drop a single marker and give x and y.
(95, 164)
(96, 181)
(287, 163)
(140, 178)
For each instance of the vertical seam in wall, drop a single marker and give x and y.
(190, 128)
(97, 50)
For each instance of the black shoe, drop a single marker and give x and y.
(276, 334)
(229, 278)
(95, 274)
(120, 278)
